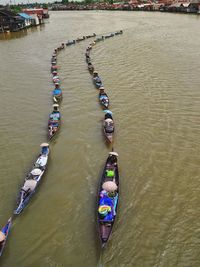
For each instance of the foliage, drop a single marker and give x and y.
(65, 2)
(15, 9)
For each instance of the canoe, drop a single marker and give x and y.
(90, 36)
(109, 35)
(107, 198)
(70, 43)
(108, 129)
(54, 122)
(99, 39)
(104, 100)
(32, 179)
(80, 39)
(4, 233)
(119, 32)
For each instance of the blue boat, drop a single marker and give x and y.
(4, 235)
(32, 179)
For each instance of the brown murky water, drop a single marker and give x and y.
(151, 74)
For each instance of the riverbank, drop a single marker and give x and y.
(13, 22)
(180, 7)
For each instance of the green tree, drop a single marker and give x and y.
(65, 2)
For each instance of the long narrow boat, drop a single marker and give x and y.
(107, 200)
(54, 121)
(108, 126)
(32, 179)
(4, 235)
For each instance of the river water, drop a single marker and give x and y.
(151, 74)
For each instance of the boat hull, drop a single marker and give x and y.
(105, 227)
(40, 163)
(5, 229)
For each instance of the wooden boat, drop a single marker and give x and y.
(119, 32)
(103, 99)
(54, 121)
(4, 235)
(108, 126)
(99, 39)
(32, 179)
(90, 36)
(79, 39)
(70, 43)
(109, 35)
(107, 199)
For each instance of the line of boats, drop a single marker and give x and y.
(108, 190)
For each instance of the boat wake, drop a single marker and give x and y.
(100, 262)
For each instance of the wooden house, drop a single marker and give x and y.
(10, 22)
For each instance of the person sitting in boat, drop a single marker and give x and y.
(108, 115)
(2, 238)
(96, 77)
(113, 158)
(54, 68)
(90, 67)
(88, 58)
(106, 206)
(45, 150)
(102, 95)
(57, 91)
(54, 116)
(56, 79)
(109, 125)
(87, 53)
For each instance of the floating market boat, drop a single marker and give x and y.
(107, 199)
(32, 179)
(108, 126)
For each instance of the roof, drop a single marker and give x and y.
(8, 13)
(186, 4)
(25, 16)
